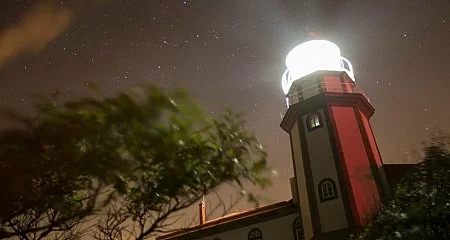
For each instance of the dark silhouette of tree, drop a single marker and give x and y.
(420, 208)
(131, 161)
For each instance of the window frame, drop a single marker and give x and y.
(327, 182)
(255, 229)
(297, 229)
(309, 118)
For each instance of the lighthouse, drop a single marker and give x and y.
(338, 169)
(339, 178)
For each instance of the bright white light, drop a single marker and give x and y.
(312, 56)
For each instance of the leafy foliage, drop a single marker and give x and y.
(135, 158)
(420, 208)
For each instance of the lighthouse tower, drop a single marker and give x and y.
(338, 169)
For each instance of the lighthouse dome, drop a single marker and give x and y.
(312, 56)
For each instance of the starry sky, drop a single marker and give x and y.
(231, 53)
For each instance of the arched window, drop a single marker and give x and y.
(255, 234)
(297, 228)
(314, 121)
(327, 190)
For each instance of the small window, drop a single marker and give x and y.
(297, 228)
(255, 234)
(314, 121)
(327, 190)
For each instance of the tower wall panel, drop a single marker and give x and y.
(362, 182)
(371, 138)
(321, 157)
(305, 211)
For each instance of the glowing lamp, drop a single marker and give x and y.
(312, 56)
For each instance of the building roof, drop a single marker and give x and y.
(235, 220)
(395, 172)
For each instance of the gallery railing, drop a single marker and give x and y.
(324, 87)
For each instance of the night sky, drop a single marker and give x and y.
(231, 52)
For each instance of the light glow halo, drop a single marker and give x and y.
(312, 56)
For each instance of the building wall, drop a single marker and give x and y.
(376, 154)
(301, 182)
(332, 84)
(332, 213)
(362, 182)
(371, 138)
(309, 87)
(275, 229)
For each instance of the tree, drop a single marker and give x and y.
(132, 160)
(420, 208)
